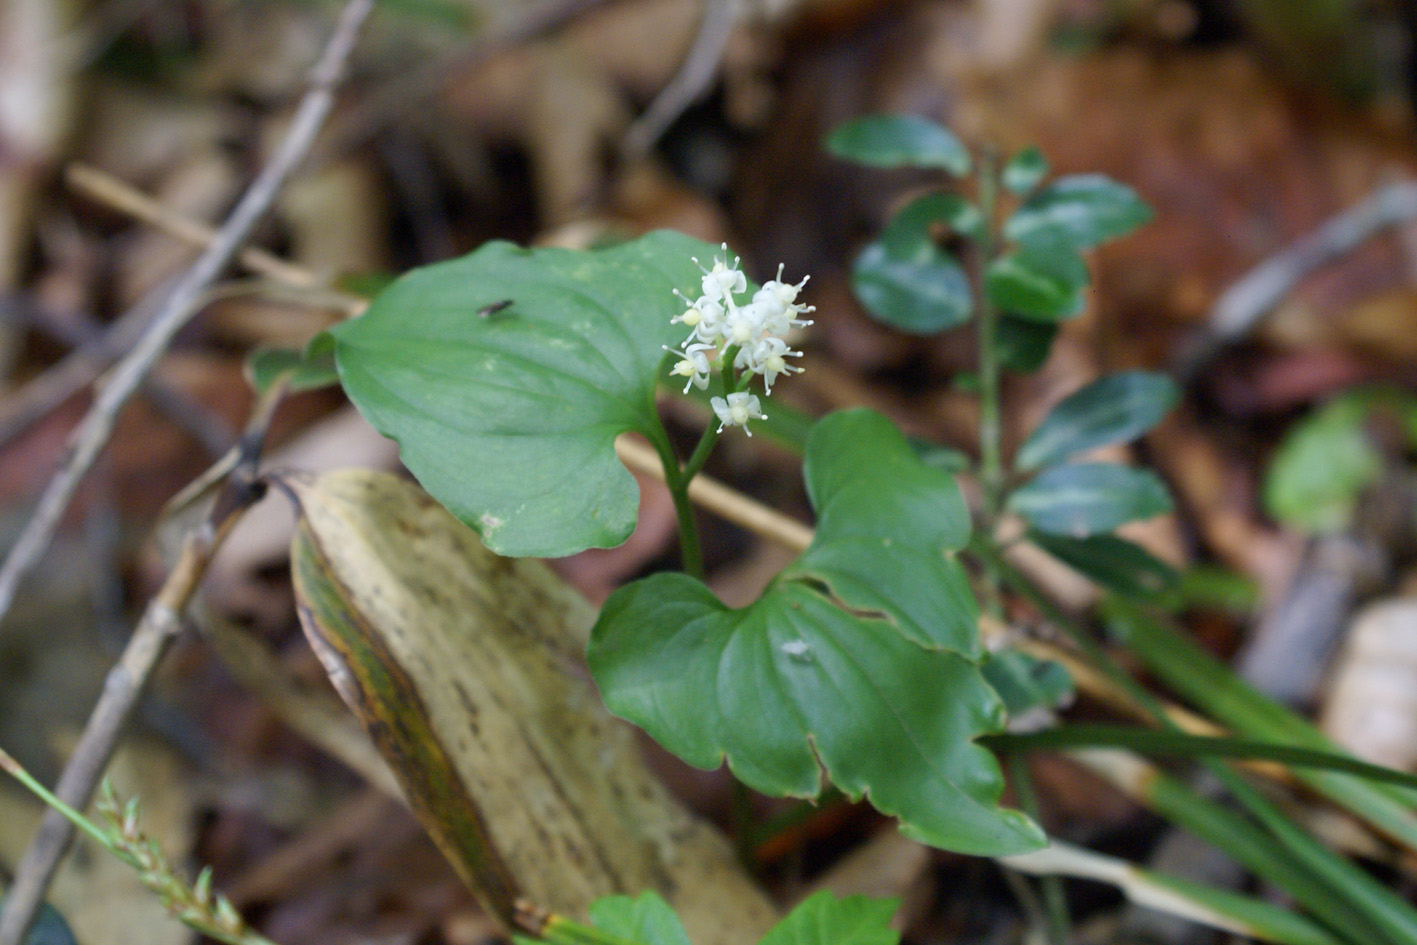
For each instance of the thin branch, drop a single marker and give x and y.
(106, 189)
(1242, 306)
(94, 347)
(159, 627)
(179, 306)
(689, 84)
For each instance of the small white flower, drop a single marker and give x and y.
(704, 316)
(768, 358)
(694, 364)
(737, 410)
(723, 280)
(779, 303)
(744, 324)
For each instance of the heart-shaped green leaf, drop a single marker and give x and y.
(906, 279)
(885, 521)
(1080, 211)
(1040, 283)
(899, 141)
(506, 375)
(850, 662)
(1089, 498)
(1115, 409)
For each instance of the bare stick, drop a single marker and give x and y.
(178, 307)
(1245, 303)
(160, 624)
(720, 499)
(95, 347)
(107, 189)
(689, 84)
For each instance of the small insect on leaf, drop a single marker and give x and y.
(491, 310)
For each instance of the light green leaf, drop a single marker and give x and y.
(1081, 211)
(899, 141)
(1089, 498)
(310, 369)
(1037, 283)
(1024, 171)
(906, 279)
(646, 918)
(851, 661)
(506, 375)
(1323, 467)
(1117, 408)
(823, 919)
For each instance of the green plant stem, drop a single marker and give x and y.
(15, 770)
(991, 465)
(678, 477)
(690, 554)
(1055, 900)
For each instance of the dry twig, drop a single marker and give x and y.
(162, 619)
(159, 627)
(1244, 304)
(178, 307)
(689, 84)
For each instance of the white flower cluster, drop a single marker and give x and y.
(718, 322)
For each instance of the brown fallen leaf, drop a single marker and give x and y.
(466, 670)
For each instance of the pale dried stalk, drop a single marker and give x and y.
(107, 189)
(178, 307)
(162, 619)
(159, 627)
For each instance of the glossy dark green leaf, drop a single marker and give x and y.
(858, 659)
(823, 919)
(1114, 563)
(1037, 283)
(310, 369)
(899, 141)
(1089, 498)
(645, 918)
(1115, 409)
(1023, 345)
(1025, 171)
(1080, 211)
(1025, 682)
(506, 375)
(906, 279)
